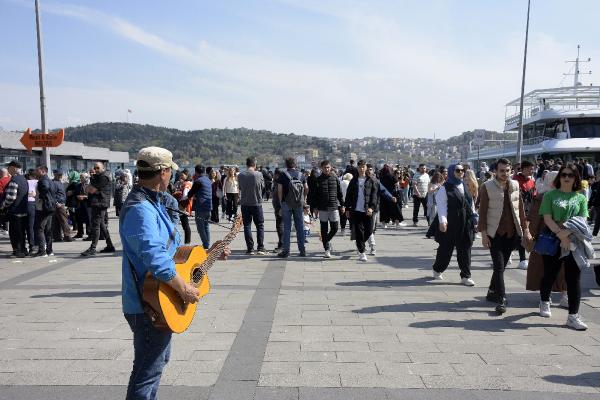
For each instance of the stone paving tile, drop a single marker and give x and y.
(400, 369)
(302, 356)
(298, 380)
(51, 377)
(346, 356)
(332, 368)
(271, 393)
(446, 358)
(279, 367)
(495, 370)
(463, 382)
(381, 381)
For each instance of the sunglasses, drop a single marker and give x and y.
(459, 170)
(567, 175)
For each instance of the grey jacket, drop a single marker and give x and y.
(581, 242)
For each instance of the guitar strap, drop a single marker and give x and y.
(148, 310)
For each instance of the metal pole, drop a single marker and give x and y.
(38, 24)
(520, 138)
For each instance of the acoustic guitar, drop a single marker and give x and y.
(163, 304)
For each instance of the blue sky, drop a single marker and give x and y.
(325, 68)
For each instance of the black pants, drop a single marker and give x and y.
(343, 220)
(17, 227)
(214, 213)
(417, 202)
(328, 234)
(444, 254)
(572, 277)
(99, 227)
(254, 214)
(500, 249)
(185, 224)
(43, 230)
(363, 228)
(231, 205)
(279, 227)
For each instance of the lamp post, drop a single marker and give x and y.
(520, 137)
(38, 24)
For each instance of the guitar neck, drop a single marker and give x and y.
(216, 252)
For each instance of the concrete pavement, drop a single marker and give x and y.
(299, 328)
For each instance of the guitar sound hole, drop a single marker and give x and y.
(197, 275)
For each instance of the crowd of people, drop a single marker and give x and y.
(542, 210)
(501, 204)
(40, 211)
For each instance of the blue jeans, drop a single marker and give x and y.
(249, 214)
(202, 223)
(152, 350)
(297, 214)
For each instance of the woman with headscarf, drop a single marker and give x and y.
(344, 186)
(455, 225)
(71, 204)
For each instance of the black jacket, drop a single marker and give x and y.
(45, 188)
(370, 191)
(328, 193)
(101, 198)
(460, 217)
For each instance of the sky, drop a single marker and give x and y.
(327, 68)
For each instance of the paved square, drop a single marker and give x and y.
(300, 328)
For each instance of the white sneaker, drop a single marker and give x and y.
(564, 301)
(467, 282)
(362, 257)
(373, 252)
(438, 276)
(402, 223)
(385, 226)
(545, 309)
(523, 264)
(327, 254)
(574, 321)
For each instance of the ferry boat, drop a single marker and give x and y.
(559, 122)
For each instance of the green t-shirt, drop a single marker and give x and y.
(563, 206)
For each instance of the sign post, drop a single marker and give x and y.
(31, 140)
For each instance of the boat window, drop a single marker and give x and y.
(584, 127)
(528, 132)
(539, 129)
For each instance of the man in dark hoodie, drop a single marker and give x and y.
(327, 201)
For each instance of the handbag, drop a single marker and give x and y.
(547, 243)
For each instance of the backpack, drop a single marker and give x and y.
(295, 195)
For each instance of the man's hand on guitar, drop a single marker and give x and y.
(190, 294)
(226, 251)
(187, 292)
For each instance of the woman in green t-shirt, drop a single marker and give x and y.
(557, 207)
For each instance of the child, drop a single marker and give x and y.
(307, 223)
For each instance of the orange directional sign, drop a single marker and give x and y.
(31, 140)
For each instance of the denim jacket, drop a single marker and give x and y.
(149, 241)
